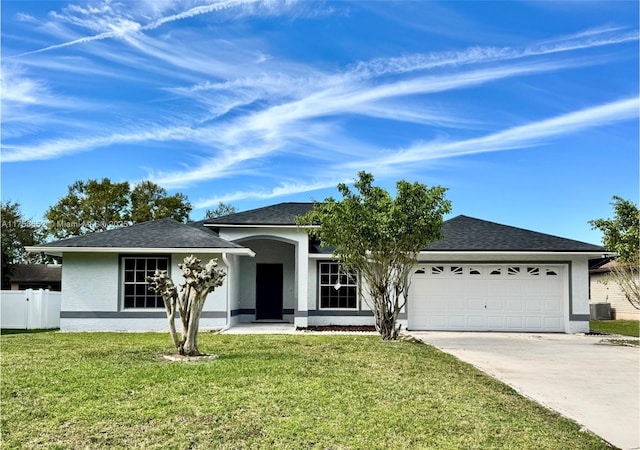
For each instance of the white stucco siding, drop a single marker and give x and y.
(233, 287)
(92, 295)
(90, 282)
(580, 286)
(312, 284)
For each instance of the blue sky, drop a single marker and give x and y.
(527, 111)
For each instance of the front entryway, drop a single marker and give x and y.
(269, 282)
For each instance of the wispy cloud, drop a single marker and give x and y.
(121, 27)
(523, 136)
(282, 190)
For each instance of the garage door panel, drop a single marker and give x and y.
(514, 306)
(497, 322)
(474, 305)
(552, 306)
(456, 321)
(514, 323)
(514, 297)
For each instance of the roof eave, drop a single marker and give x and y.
(589, 253)
(58, 251)
(250, 225)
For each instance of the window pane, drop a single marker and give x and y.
(136, 292)
(128, 301)
(332, 275)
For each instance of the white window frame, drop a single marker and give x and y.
(350, 283)
(147, 293)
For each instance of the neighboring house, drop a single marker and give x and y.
(36, 276)
(602, 289)
(481, 276)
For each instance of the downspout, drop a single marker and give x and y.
(225, 259)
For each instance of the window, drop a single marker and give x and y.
(338, 288)
(437, 270)
(514, 270)
(457, 270)
(551, 273)
(473, 271)
(135, 270)
(497, 271)
(535, 271)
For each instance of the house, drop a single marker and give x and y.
(604, 290)
(36, 276)
(480, 276)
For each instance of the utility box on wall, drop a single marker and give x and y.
(600, 311)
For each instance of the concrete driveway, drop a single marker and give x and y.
(594, 384)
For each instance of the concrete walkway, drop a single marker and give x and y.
(596, 385)
(261, 328)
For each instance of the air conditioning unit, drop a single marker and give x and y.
(600, 311)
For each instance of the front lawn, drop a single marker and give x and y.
(109, 390)
(623, 327)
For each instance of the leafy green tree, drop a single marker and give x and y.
(380, 237)
(151, 202)
(17, 232)
(223, 209)
(94, 205)
(89, 206)
(621, 234)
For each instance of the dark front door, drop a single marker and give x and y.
(269, 292)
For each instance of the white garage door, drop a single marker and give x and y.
(482, 297)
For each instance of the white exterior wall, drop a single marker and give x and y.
(233, 287)
(90, 282)
(603, 291)
(92, 301)
(296, 291)
(579, 295)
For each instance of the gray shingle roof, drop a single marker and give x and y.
(163, 233)
(463, 233)
(280, 214)
(460, 233)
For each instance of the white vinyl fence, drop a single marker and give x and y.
(29, 309)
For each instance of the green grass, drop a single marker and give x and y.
(102, 390)
(623, 327)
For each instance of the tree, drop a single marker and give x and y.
(151, 202)
(89, 206)
(622, 235)
(17, 232)
(380, 237)
(223, 209)
(93, 205)
(199, 282)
